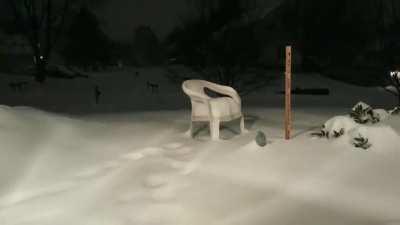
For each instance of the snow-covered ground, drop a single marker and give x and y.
(124, 162)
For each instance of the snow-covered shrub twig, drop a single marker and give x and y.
(320, 133)
(363, 113)
(395, 111)
(339, 133)
(394, 87)
(361, 142)
(336, 127)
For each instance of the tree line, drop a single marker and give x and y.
(219, 40)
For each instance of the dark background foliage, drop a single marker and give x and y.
(356, 41)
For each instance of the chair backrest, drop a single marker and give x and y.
(195, 88)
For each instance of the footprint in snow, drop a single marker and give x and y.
(111, 165)
(140, 154)
(89, 172)
(173, 145)
(98, 171)
(29, 194)
(168, 192)
(163, 193)
(151, 151)
(189, 168)
(179, 151)
(156, 180)
(133, 156)
(177, 164)
(130, 196)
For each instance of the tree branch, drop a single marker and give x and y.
(17, 16)
(48, 29)
(62, 23)
(43, 13)
(20, 21)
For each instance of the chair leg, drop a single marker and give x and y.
(242, 128)
(189, 132)
(214, 129)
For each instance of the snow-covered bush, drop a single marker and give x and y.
(337, 126)
(381, 136)
(394, 87)
(380, 114)
(363, 113)
(395, 111)
(361, 142)
(361, 127)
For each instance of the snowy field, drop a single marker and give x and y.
(67, 161)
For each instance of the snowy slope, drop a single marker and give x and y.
(137, 166)
(141, 169)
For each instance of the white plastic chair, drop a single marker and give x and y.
(213, 110)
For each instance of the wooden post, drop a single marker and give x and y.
(288, 93)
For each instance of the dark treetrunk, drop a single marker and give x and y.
(42, 27)
(40, 70)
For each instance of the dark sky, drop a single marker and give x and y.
(120, 17)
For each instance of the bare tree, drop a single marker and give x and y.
(41, 23)
(203, 7)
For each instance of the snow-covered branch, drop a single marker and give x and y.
(394, 88)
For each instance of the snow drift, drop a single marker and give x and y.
(141, 169)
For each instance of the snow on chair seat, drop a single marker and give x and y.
(213, 110)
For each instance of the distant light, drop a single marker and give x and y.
(41, 57)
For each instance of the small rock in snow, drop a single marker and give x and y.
(261, 139)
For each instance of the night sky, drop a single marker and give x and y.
(120, 17)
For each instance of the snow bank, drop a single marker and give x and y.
(338, 125)
(382, 137)
(141, 169)
(381, 114)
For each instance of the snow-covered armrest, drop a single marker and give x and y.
(196, 95)
(225, 90)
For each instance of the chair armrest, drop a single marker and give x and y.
(232, 93)
(226, 90)
(199, 96)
